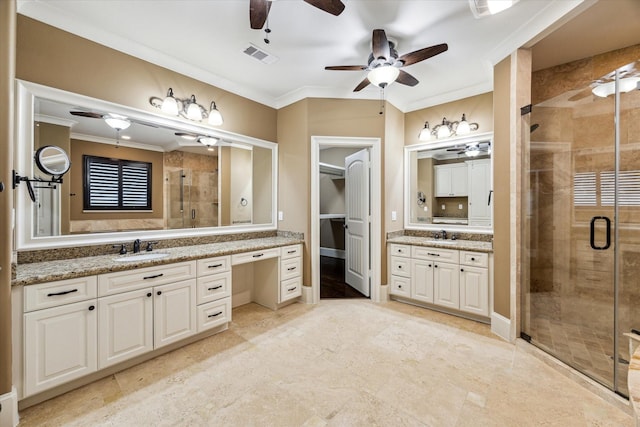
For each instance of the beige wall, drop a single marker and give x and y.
(7, 69)
(479, 109)
(501, 176)
(55, 58)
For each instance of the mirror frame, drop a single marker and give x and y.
(437, 144)
(27, 92)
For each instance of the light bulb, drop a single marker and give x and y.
(497, 6)
(215, 118)
(444, 131)
(383, 76)
(194, 110)
(425, 133)
(170, 104)
(463, 127)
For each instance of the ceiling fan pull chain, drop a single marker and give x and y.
(381, 100)
(267, 30)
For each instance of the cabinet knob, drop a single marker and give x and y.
(149, 294)
(429, 265)
(473, 259)
(399, 286)
(92, 307)
(159, 293)
(462, 269)
(399, 266)
(436, 266)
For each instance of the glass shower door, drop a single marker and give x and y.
(579, 228)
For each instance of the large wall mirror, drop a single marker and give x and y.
(448, 185)
(151, 177)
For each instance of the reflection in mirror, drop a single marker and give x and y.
(198, 177)
(448, 184)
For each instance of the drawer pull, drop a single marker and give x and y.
(54, 294)
(291, 289)
(155, 276)
(291, 252)
(291, 268)
(214, 315)
(399, 286)
(429, 253)
(215, 266)
(258, 255)
(214, 288)
(473, 259)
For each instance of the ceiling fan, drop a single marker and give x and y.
(472, 149)
(116, 121)
(384, 63)
(259, 10)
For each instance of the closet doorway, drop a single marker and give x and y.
(345, 218)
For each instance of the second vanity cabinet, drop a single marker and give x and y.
(448, 278)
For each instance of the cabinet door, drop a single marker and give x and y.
(174, 312)
(125, 324)
(443, 181)
(446, 285)
(459, 180)
(60, 345)
(422, 275)
(474, 290)
(479, 187)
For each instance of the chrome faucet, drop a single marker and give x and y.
(136, 246)
(444, 235)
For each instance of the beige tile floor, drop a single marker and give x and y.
(339, 363)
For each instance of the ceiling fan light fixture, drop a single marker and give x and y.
(208, 141)
(383, 75)
(117, 122)
(472, 150)
(425, 133)
(482, 8)
(625, 85)
(215, 118)
(170, 104)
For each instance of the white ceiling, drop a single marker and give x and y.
(204, 39)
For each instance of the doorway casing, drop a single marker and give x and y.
(375, 197)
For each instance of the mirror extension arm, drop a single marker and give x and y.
(17, 179)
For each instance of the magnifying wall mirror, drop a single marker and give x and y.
(52, 160)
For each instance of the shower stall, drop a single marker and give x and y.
(581, 223)
(192, 198)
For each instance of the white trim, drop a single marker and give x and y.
(9, 412)
(307, 295)
(501, 326)
(333, 253)
(376, 215)
(23, 161)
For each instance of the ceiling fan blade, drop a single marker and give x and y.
(258, 12)
(406, 79)
(347, 67)
(422, 54)
(380, 45)
(86, 114)
(334, 7)
(362, 85)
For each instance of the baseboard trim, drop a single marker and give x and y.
(333, 253)
(307, 295)
(9, 409)
(501, 326)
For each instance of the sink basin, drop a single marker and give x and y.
(443, 242)
(141, 257)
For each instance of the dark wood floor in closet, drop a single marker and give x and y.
(332, 284)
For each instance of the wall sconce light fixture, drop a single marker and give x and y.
(448, 129)
(187, 108)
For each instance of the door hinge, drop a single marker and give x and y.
(525, 110)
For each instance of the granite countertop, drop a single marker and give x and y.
(468, 245)
(39, 272)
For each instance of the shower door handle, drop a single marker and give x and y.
(593, 233)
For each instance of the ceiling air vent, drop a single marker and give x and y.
(259, 54)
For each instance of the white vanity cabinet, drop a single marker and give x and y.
(60, 329)
(290, 273)
(447, 278)
(213, 292)
(451, 180)
(135, 317)
(479, 202)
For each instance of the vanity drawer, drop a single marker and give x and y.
(213, 265)
(213, 287)
(122, 281)
(254, 256)
(400, 286)
(290, 268)
(474, 259)
(52, 294)
(400, 250)
(291, 251)
(435, 254)
(291, 288)
(213, 314)
(400, 266)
